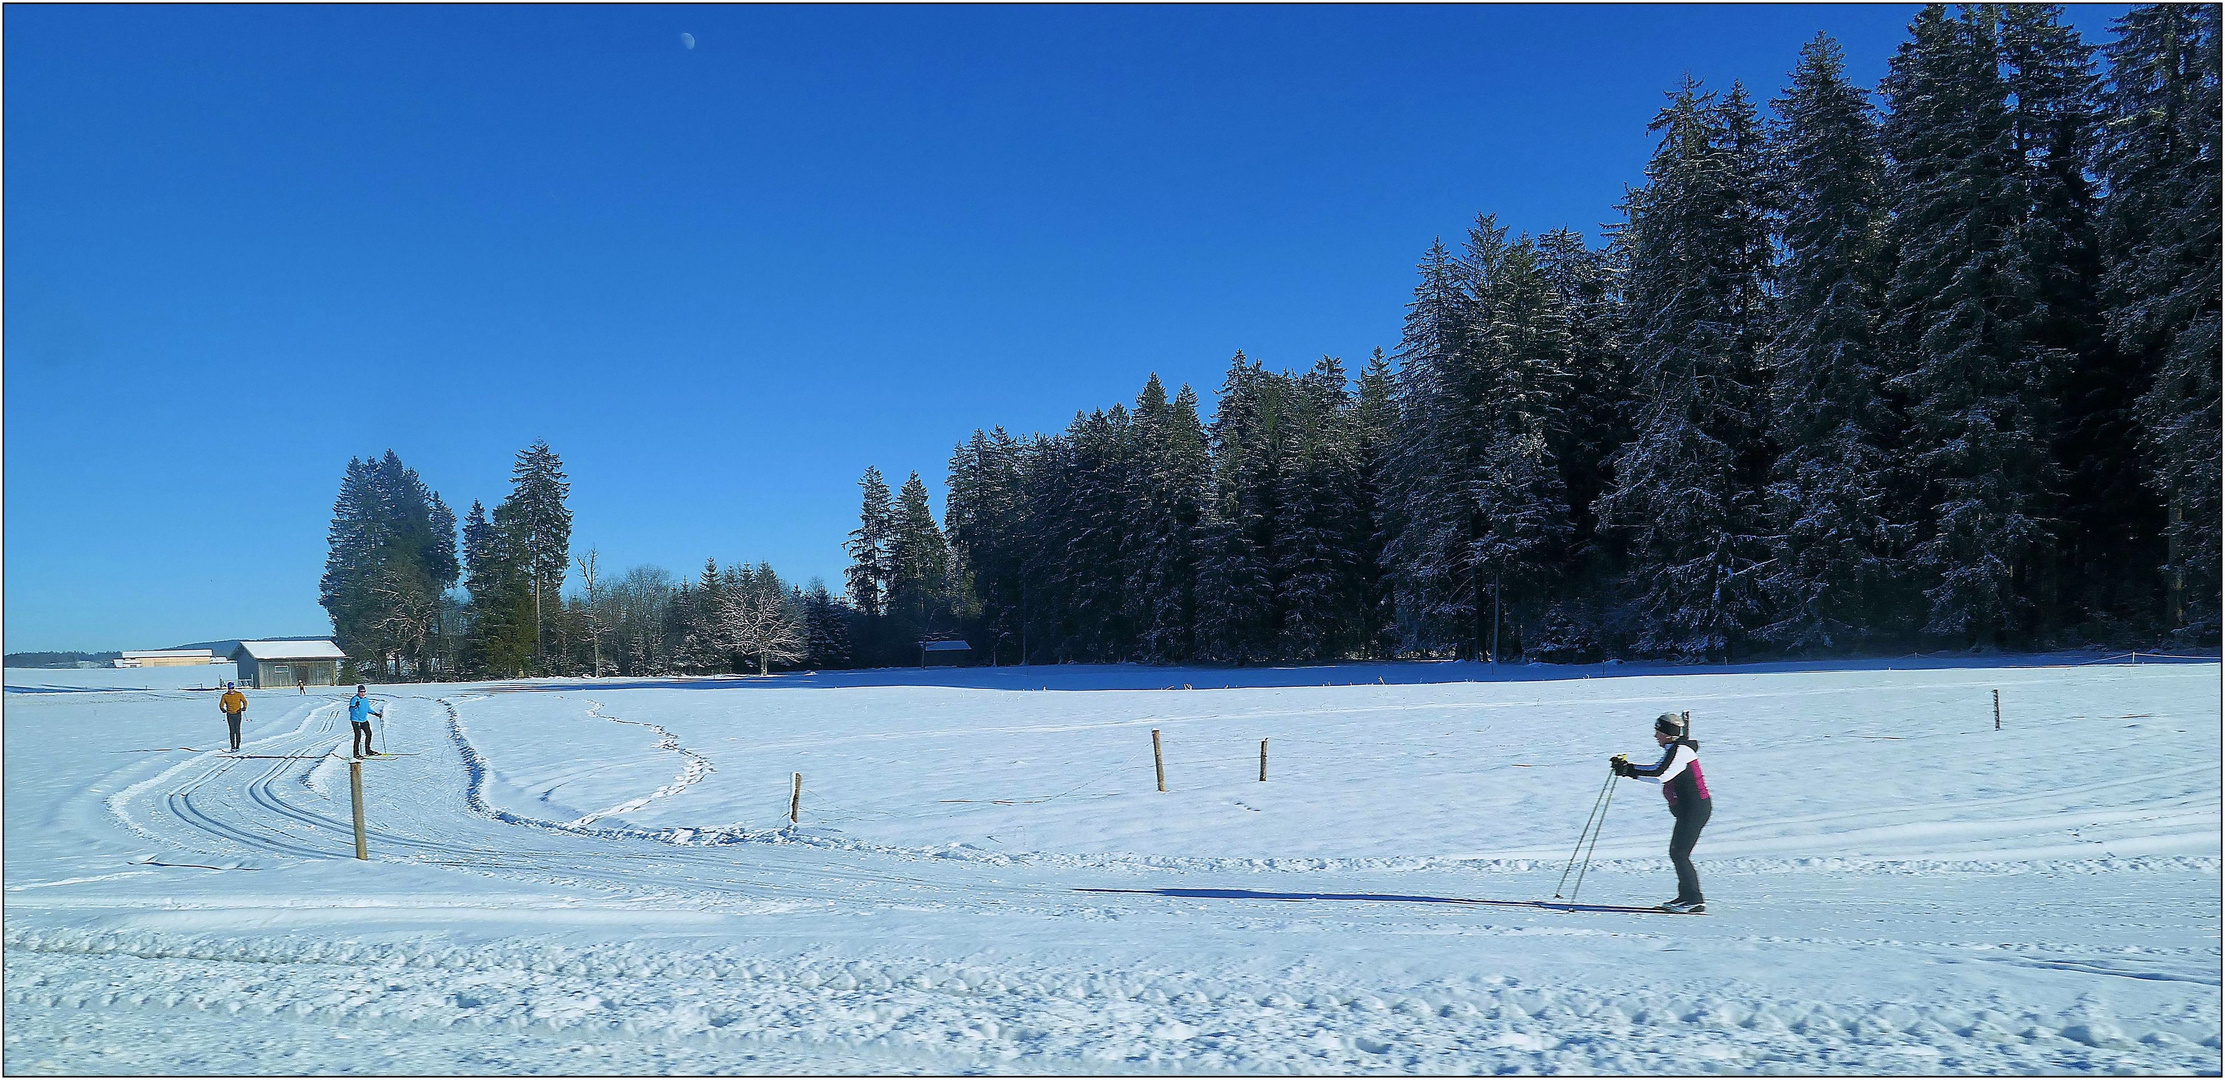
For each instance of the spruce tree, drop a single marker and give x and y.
(535, 527)
(1838, 553)
(1521, 352)
(1687, 488)
(392, 559)
(1431, 520)
(2101, 517)
(702, 616)
(1237, 617)
(498, 638)
(868, 574)
(2160, 162)
(919, 565)
(1373, 434)
(1593, 404)
(353, 546)
(826, 629)
(1978, 446)
(981, 521)
(1167, 485)
(1314, 506)
(1094, 549)
(1595, 411)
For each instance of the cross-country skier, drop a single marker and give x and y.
(233, 703)
(360, 712)
(1678, 773)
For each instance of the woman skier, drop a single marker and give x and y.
(1678, 773)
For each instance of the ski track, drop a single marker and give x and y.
(126, 994)
(693, 769)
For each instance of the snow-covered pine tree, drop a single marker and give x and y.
(1094, 561)
(536, 529)
(1315, 504)
(2101, 517)
(1044, 537)
(1430, 516)
(1688, 487)
(2160, 160)
(498, 632)
(981, 522)
(1372, 431)
(919, 565)
(1594, 403)
(1956, 310)
(353, 545)
(1236, 615)
(701, 614)
(868, 574)
(1595, 408)
(825, 627)
(1839, 553)
(418, 566)
(444, 569)
(1521, 352)
(391, 561)
(1166, 484)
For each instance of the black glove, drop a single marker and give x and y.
(1619, 765)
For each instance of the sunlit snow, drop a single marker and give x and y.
(573, 876)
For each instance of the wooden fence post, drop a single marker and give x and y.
(795, 799)
(1997, 710)
(1158, 760)
(1262, 761)
(355, 790)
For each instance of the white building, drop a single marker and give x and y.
(170, 658)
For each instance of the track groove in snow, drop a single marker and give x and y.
(694, 767)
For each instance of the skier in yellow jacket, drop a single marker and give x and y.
(233, 703)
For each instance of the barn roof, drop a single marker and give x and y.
(945, 646)
(289, 650)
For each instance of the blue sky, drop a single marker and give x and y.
(246, 242)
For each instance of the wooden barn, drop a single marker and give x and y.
(279, 664)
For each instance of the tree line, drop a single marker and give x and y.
(1935, 372)
(408, 602)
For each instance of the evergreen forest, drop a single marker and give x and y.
(1932, 366)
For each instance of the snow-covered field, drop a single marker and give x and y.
(592, 877)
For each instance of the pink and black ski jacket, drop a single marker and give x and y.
(1678, 773)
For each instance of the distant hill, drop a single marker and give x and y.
(225, 646)
(56, 659)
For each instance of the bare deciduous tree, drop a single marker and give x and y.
(593, 613)
(758, 620)
(407, 616)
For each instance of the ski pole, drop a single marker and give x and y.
(1596, 801)
(1609, 801)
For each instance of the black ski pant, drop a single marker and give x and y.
(231, 720)
(1687, 833)
(362, 737)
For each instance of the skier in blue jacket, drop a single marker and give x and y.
(1678, 773)
(360, 712)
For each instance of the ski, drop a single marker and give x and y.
(1402, 898)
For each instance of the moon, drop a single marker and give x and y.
(687, 40)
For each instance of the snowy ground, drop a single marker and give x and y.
(578, 877)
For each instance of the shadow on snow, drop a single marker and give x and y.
(1091, 677)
